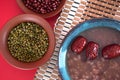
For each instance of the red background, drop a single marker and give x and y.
(8, 10)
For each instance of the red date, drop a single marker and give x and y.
(78, 44)
(111, 51)
(92, 50)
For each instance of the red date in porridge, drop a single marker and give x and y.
(92, 50)
(81, 68)
(111, 51)
(78, 44)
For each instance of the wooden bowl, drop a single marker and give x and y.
(14, 22)
(46, 15)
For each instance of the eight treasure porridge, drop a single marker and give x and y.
(81, 67)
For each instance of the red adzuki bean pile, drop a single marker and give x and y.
(42, 6)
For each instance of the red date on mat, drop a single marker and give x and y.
(78, 44)
(111, 51)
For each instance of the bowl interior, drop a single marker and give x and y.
(46, 15)
(15, 21)
(80, 28)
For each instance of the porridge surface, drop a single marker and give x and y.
(99, 69)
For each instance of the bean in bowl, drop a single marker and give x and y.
(42, 6)
(27, 42)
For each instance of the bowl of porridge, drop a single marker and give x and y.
(99, 58)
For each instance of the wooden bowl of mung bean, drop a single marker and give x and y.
(27, 41)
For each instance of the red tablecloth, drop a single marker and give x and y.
(8, 10)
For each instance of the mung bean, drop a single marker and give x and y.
(28, 42)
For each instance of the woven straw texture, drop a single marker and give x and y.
(74, 12)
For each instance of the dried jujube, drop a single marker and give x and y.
(78, 44)
(111, 51)
(92, 50)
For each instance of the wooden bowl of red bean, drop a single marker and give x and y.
(27, 41)
(44, 8)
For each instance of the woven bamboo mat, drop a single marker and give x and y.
(74, 12)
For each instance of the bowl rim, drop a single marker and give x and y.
(47, 15)
(92, 23)
(15, 21)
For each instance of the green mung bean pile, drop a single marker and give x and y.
(28, 42)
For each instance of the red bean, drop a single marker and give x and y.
(42, 6)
